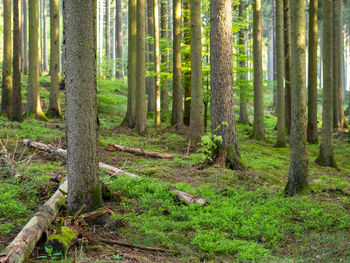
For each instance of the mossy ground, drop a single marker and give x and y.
(248, 218)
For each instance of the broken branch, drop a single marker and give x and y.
(115, 147)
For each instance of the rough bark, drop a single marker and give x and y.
(312, 132)
(119, 39)
(222, 113)
(23, 244)
(187, 62)
(25, 38)
(164, 94)
(274, 55)
(16, 112)
(108, 29)
(281, 125)
(140, 69)
(258, 126)
(157, 63)
(6, 96)
(150, 58)
(33, 97)
(81, 104)
(298, 170)
(243, 104)
(45, 62)
(287, 63)
(326, 156)
(197, 118)
(176, 115)
(54, 103)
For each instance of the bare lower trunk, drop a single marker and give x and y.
(287, 65)
(187, 62)
(150, 58)
(107, 29)
(119, 39)
(164, 59)
(25, 38)
(157, 63)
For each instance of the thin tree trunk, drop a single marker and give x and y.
(326, 156)
(259, 131)
(108, 28)
(298, 170)
(281, 125)
(222, 113)
(16, 113)
(33, 98)
(287, 65)
(164, 59)
(157, 63)
(312, 133)
(54, 104)
(187, 61)
(119, 39)
(44, 37)
(141, 64)
(25, 39)
(83, 184)
(6, 97)
(197, 117)
(274, 54)
(176, 115)
(150, 84)
(336, 121)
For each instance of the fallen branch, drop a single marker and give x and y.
(88, 217)
(115, 147)
(187, 198)
(23, 244)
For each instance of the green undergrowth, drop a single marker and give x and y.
(244, 225)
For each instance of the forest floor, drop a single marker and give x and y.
(248, 219)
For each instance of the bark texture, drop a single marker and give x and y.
(150, 58)
(25, 38)
(81, 105)
(222, 113)
(164, 58)
(108, 29)
(187, 61)
(45, 59)
(54, 104)
(119, 37)
(258, 126)
(298, 169)
(157, 62)
(287, 65)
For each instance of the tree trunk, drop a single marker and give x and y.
(81, 118)
(197, 117)
(157, 63)
(150, 58)
(25, 39)
(312, 133)
(45, 66)
(326, 156)
(222, 113)
(131, 108)
(281, 124)
(164, 59)
(16, 113)
(287, 63)
(274, 54)
(141, 64)
(108, 29)
(259, 131)
(243, 104)
(54, 105)
(176, 115)
(119, 39)
(298, 170)
(33, 98)
(6, 97)
(187, 61)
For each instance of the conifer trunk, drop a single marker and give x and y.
(119, 39)
(187, 61)
(157, 63)
(45, 66)
(108, 29)
(150, 58)
(25, 38)
(164, 59)
(287, 63)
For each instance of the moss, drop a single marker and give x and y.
(280, 144)
(39, 116)
(96, 197)
(331, 162)
(60, 242)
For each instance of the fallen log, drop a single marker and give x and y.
(115, 147)
(23, 244)
(113, 171)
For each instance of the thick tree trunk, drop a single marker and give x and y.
(16, 112)
(45, 64)
(108, 29)
(298, 170)
(281, 124)
(81, 118)
(6, 97)
(274, 54)
(258, 127)
(243, 104)
(326, 156)
(25, 38)
(33, 98)
(119, 38)
(150, 58)
(141, 64)
(176, 115)
(287, 65)
(54, 104)
(157, 63)
(222, 113)
(197, 117)
(312, 132)
(164, 59)
(187, 61)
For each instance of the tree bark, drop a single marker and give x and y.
(312, 132)
(326, 156)
(222, 113)
(176, 115)
(25, 38)
(197, 117)
(187, 62)
(157, 63)
(298, 169)
(81, 105)
(281, 124)
(164, 95)
(274, 55)
(258, 126)
(287, 63)
(108, 29)
(6, 97)
(16, 112)
(45, 64)
(119, 39)
(150, 58)
(141, 64)
(54, 110)
(33, 97)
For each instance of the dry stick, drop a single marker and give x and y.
(5, 156)
(115, 147)
(186, 197)
(23, 244)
